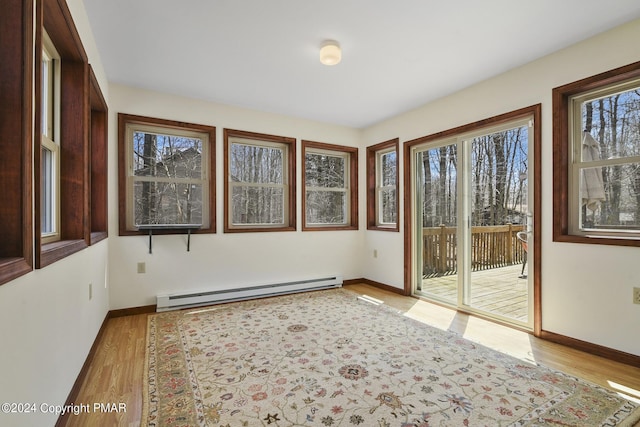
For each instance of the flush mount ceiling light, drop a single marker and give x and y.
(330, 53)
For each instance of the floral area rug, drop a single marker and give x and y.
(327, 358)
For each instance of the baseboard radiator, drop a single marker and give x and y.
(197, 299)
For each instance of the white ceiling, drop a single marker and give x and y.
(397, 54)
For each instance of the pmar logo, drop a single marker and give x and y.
(110, 407)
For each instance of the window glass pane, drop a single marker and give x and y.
(257, 164)
(610, 197)
(388, 168)
(257, 205)
(614, 123)
(47, 195)
(49, 145)
(389, 207)
(326, 207)
(439, 177)
(49, 71)
(167, 203)
(168, 156)
(46, 95)
(499, 177)
(325, 171)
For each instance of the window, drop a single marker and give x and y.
(50, 143)
(61, 128)
(597, 159)
(166, 174)
(43, 137)
(331, 186)
(16, 138)
(382, 184)
(260, 182)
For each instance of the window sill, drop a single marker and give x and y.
(12, 268)
(97, 236)
(330, 228)
(55, 251)
(237, 229)
(383, 228)
(593, 240)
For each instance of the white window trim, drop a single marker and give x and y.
(132, 128)
(50, 138)
(346, 189)
(284, 186)
(576, 164)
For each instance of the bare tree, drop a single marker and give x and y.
(166, 166)
(614, 121)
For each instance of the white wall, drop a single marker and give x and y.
(47, 326)
(586, 289)
(47, 321)
(221, 261)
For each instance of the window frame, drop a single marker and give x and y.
(289, 179)
(54, 17)
(126, 181)
(566, 216)
(17, 66)
(50, 140)
(536, 180)
(374, 154)
(98, 140)
(351, 180)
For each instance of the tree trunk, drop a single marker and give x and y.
(427, 202)
(442, 181)
(149, 210)
(501, 178)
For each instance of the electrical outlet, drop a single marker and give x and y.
(636, 295)
(142, 267)
(90, 291)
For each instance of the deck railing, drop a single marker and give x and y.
(491, 247)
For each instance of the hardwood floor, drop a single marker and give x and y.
(115, 375)
(116, 372)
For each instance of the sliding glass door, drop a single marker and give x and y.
(437, 222)
(473, 221)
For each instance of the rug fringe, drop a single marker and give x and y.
(145, 380)
(632, 420)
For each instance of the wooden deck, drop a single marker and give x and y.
(499, 291)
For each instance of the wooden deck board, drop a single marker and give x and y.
(499, 290)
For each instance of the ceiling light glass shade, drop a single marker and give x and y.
(330, 53)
